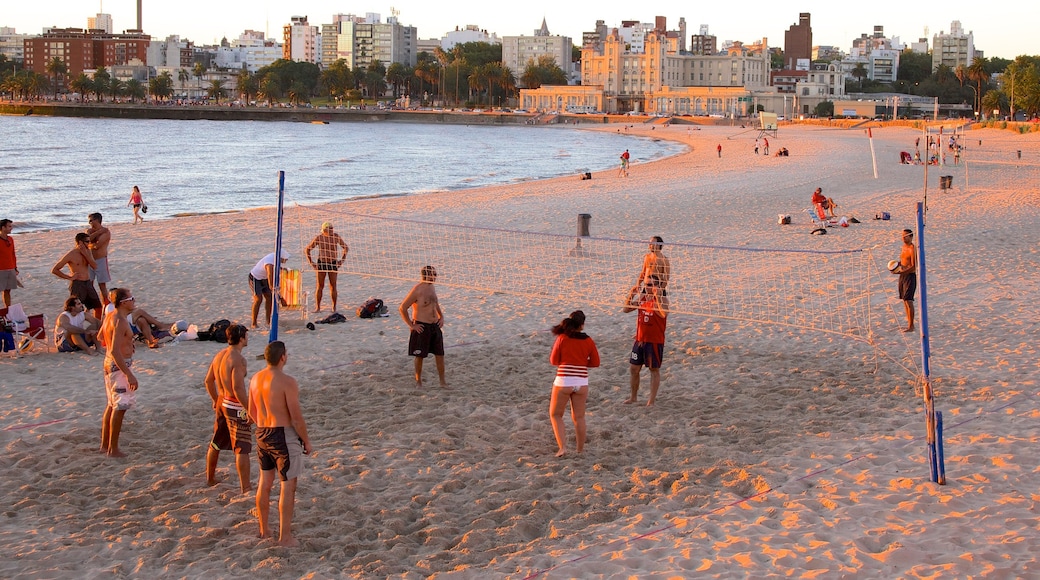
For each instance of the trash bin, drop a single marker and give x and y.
(583, 224)
(945, 181)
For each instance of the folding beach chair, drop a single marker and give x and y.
(291, 289)
(28, 329)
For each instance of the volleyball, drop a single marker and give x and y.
(892, 265)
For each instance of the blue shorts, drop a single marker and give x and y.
(647, 354)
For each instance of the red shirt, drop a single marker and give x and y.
(650, 325)
(7, 259)
(574, 356)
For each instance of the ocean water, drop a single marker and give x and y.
(54, 170)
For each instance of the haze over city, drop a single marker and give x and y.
(996, 33)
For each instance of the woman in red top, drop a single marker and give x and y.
(573, 354)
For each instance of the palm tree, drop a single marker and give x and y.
(942, 73)
(978, 72)
(82, 85)
(198, 71)
(57, 67)
(133, 89)
(397, 74)
(101, 80)
(429, 72)
(246, 85)
(442, 58)
(216, 90)
(337, 80)
(116, 88)
(161, 87)
(860, 72)
(269, 88)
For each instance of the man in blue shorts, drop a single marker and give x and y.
(260, 280)
(425, 323)
(651, 302)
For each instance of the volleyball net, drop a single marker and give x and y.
(827, 291)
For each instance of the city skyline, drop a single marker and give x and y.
(831, 26)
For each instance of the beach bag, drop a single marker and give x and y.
(217, 331)
(783, 219)
(144, 208)
(372, 308)
(334, 318)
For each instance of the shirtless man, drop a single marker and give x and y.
(281, 440)
(907, 270)
(655, 263)
(80, 260)
(120, 382)
(425, 323)
(226, 385)
(100, 236)
(75, 329)
(328, 262)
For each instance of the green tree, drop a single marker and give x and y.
(543, 72)
(102, 78)
(397, 75)
(134, 89)
(287, 72)
(83, 85)
(198, 70)
(246, 86)
(116, 88)
(57, 67)
(375, 79)
(914, 67)
(979, 73)
(216, 90)
(860, 72)
(995, 101)
(825, 109)
(269, 88)
(428, 70)
(161, 86)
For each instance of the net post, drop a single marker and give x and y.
(276, 293)
(583, 232)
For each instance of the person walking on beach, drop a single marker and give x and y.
(907, 270)
(655, 263)
(79, 260)
(425, 323)
(100, 236)
(719, 149)
(138, 202)
(648, 348)
(120, 382)
(260, 279)
(623, 170)
(226, 385)
(8, 261)
(573, 354)
(765, 146)
(329, 260)
(281, 440)
(757, 141)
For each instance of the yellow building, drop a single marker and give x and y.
(563, 99)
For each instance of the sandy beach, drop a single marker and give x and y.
(772, 450)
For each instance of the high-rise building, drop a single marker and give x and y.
(301, 41)
(517, 51)
(703, 43)
(954, 49)
(12, 44)
(82, 50)
(362, 41)
(798, 42)
(100, 22)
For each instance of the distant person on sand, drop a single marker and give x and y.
(655, 263)
(765, 146)
(823, 202)
(100, 236)
(623, 170)
(120, 382)
(907, 270)
(137, 201)
(573, 354)
(648, 348)
(281, 440)
(425, 323)
(226, 385)
(76, 329)
(79, 260)
(719, 149)
(329, 260)
(261, 277)
(8, 261)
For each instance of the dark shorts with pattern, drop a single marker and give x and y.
(326, 266)
(259, 287)
(231, 430)
(429, 341)
(280, 448)
(647, 354)
(84, 290)
(907, 286)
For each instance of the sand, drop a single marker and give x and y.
(770, 451)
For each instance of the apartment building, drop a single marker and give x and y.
(362, 41)
(517, 51)
(83, 50)
(301, 41)
(953, 49)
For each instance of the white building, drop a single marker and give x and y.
(363, 40)
(250, 51)
(172, 53)
(953, 49)
(12, 44)
(301, 41)
(100, 22)
(517, 51)
(471, 33)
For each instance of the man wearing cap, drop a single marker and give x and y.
(329, 260)
(907, 270)
(260, 278)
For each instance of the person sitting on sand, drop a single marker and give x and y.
(146, 327)
(76, 329)
(823, 202)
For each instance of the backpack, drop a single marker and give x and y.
(372, 308)
(217, 331)
(333, 318)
